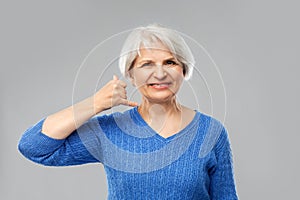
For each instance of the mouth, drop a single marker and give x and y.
(160, 85)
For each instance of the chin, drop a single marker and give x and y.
(159, 98)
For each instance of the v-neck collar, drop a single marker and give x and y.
(147, 128)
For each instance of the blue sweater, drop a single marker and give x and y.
(195, 163)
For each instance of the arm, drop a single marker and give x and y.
(61, 124)
(48, 151)
(222, 185)
(55, 141)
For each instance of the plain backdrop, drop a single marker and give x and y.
(255, 45)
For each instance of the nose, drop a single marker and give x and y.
(160, 72)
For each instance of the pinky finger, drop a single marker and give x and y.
(129, 103)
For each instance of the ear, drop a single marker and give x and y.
(131, 78)
(132, 81)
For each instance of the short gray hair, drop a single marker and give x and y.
(152, 35)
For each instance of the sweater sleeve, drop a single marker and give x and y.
(42, 149)
(222, 185)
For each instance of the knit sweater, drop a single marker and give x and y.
(195, 163)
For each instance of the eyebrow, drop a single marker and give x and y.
(149, 60)
(145, 60)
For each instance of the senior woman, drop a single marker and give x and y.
(158, 149)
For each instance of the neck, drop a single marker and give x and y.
(153, 110)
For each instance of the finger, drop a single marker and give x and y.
(132, 103)
(115, 78)
(122, 83)
(123, 95)
(118, 88)
(129, 103)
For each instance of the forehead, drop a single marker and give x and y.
(153, 53)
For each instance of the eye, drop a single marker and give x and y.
(147, 64)
(171, 63)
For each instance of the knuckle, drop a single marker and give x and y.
(123, 83)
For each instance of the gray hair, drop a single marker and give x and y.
(149, 37)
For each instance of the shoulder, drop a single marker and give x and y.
(211, 123)
(214, 131)
(205, 119)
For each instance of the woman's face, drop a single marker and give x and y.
(157, 74)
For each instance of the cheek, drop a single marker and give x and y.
(139, 78)
(177, 74)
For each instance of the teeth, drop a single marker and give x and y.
(160, 85)
(163, 84)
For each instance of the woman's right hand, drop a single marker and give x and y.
(112, 94)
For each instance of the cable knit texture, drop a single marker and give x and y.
(195, 163)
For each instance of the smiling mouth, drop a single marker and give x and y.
(160, 85)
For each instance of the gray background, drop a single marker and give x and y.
(254, 43)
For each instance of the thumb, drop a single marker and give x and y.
(115, 78)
